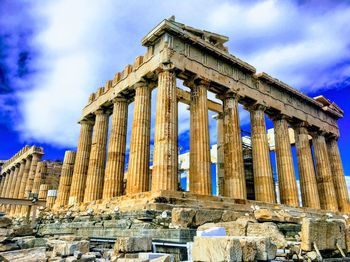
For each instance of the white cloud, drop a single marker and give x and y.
(84, 44)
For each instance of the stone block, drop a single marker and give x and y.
(182, 217)
(8, 246)
(267, 229)
(64, 248)
(229, 215)
(22, 230)
(265, 249)
(25, 242)
(325, 233)
(249, 249)
(203, 216)
(5, 222)
(233, 228)
(25, 255)
(132, 244)
(216, 249)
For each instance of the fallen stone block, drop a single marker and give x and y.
(325, 233)
(5, 222)
(267, 229)
(233, 228)
(64, 248)
(25, 242)
(203, 216)
(132, 244)
(8, 246)
(216, 249)
(25, 255)
(182, 217)
(249, 250)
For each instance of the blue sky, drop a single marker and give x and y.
(53, 54)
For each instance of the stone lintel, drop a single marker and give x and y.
(20, 156)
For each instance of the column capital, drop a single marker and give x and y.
(119, 98)
(228, 94)
(300, 124)
(195, 81)
(278, 116)
(102, 111)
(86, 121)
(166, 67)
(319, 132)
(255, 107)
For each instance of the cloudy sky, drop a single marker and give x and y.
(53, 54)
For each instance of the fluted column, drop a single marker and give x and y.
(21, 192)
(13, 180)
(29, 185)
(286, 178)
(76, 194)
(220, 172)
(307, 176)
(114, 177)
(65, 179)
(263, 180)
(164, 173)
(42, 195)
(2, 184)
(7, 179)
(96, 170)
(341, 189)
(19, 179)
(234, 182)
(40, 176)
(326, 190)
(138, 168)
(200, 177)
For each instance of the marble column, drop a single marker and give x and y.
(220, 172)
(6, 182)
(24, 179)
(165, 165)
(263, 179)
(40, 176)
(200, 175)
(341, 189)
(286, 178)
(138, 168)
(76, 194)
(307, 176)
(65, 179)
(114, 177)
(19, 179)
(18, 185)
(21, 192)
(13, 180)
(96, 170)
(234, 181)
(326, 190)
(42, 195)
(29, 185)
(2, 183)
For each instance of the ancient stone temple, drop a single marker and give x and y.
(142, 208)
(25, 176)
(201, 60)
